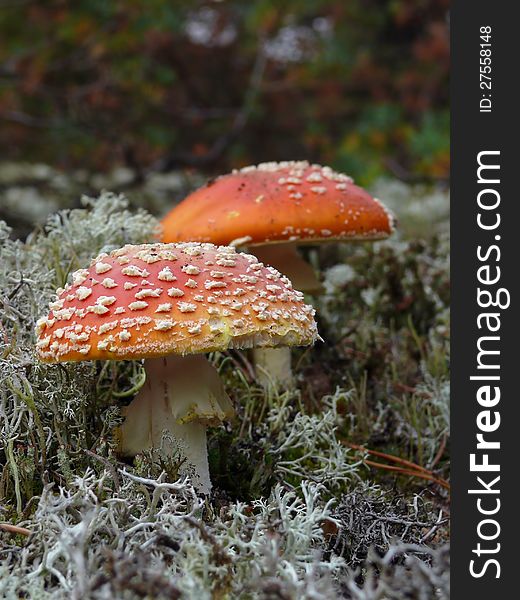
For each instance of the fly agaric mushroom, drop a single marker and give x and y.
(271, 208)
(170, 304)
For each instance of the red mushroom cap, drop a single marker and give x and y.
(275, 202)
(158, 299)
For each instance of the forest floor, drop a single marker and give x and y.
(301, 506)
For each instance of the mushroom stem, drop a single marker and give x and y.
(181, 396)
(273, 367)
(285, 258)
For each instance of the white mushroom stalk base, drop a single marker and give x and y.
(273, 367)
(181, 397)
(285, 258)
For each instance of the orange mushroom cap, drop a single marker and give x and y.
(158, 299)
(277, 202)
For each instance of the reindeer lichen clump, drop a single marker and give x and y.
(295, 513)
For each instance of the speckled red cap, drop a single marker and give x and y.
(158, 299)
(277, 202)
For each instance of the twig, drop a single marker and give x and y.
(440, 451)
(407, 468)
(14, 529)
(420, 474)
(390, 457)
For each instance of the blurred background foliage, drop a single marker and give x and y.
(156, 85)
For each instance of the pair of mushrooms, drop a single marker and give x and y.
(170, 303)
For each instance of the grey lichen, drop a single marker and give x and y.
(296, 512)
(84, 536)
(51, 414)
